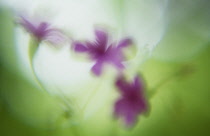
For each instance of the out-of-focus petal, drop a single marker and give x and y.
(97, 68)
(137, 83)
(29, 26)
(130, 118)
(118, 64)
(124, 109)
(121, 84)
(124, 42)
(79, 47)
(101, 38)
(132, 101)
(120, 107)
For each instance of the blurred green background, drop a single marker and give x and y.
(180, 107)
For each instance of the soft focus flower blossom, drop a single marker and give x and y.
(141, 20)
(132, 101)
(43, 31)
(103, 52)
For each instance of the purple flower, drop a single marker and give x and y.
(103, 52)
(42, 31)
(132, 101)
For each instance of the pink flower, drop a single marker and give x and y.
(102, 52)
(131, 102)
(42, 31)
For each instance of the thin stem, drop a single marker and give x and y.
(61, 96)
(90, 98)
(185, 70)
(153, 91)
(32, 50)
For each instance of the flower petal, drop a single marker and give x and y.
(118, 64)
(97, 68)
(101, 38)
(79, 47)
(27, 25)
(122, 85)
(41, 30)
(55, 37)
(124, 43)
(119, 107)
(130, 118)
(137, 83)
(123, 109)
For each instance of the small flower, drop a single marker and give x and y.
(102, 52)
(132, 101)
(42, 31)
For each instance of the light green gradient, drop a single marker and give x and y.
(179, 108)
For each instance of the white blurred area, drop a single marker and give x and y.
(145, 22)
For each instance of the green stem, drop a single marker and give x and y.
(155, 89)
(185, 70)
(90, 97)
(31, 52)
